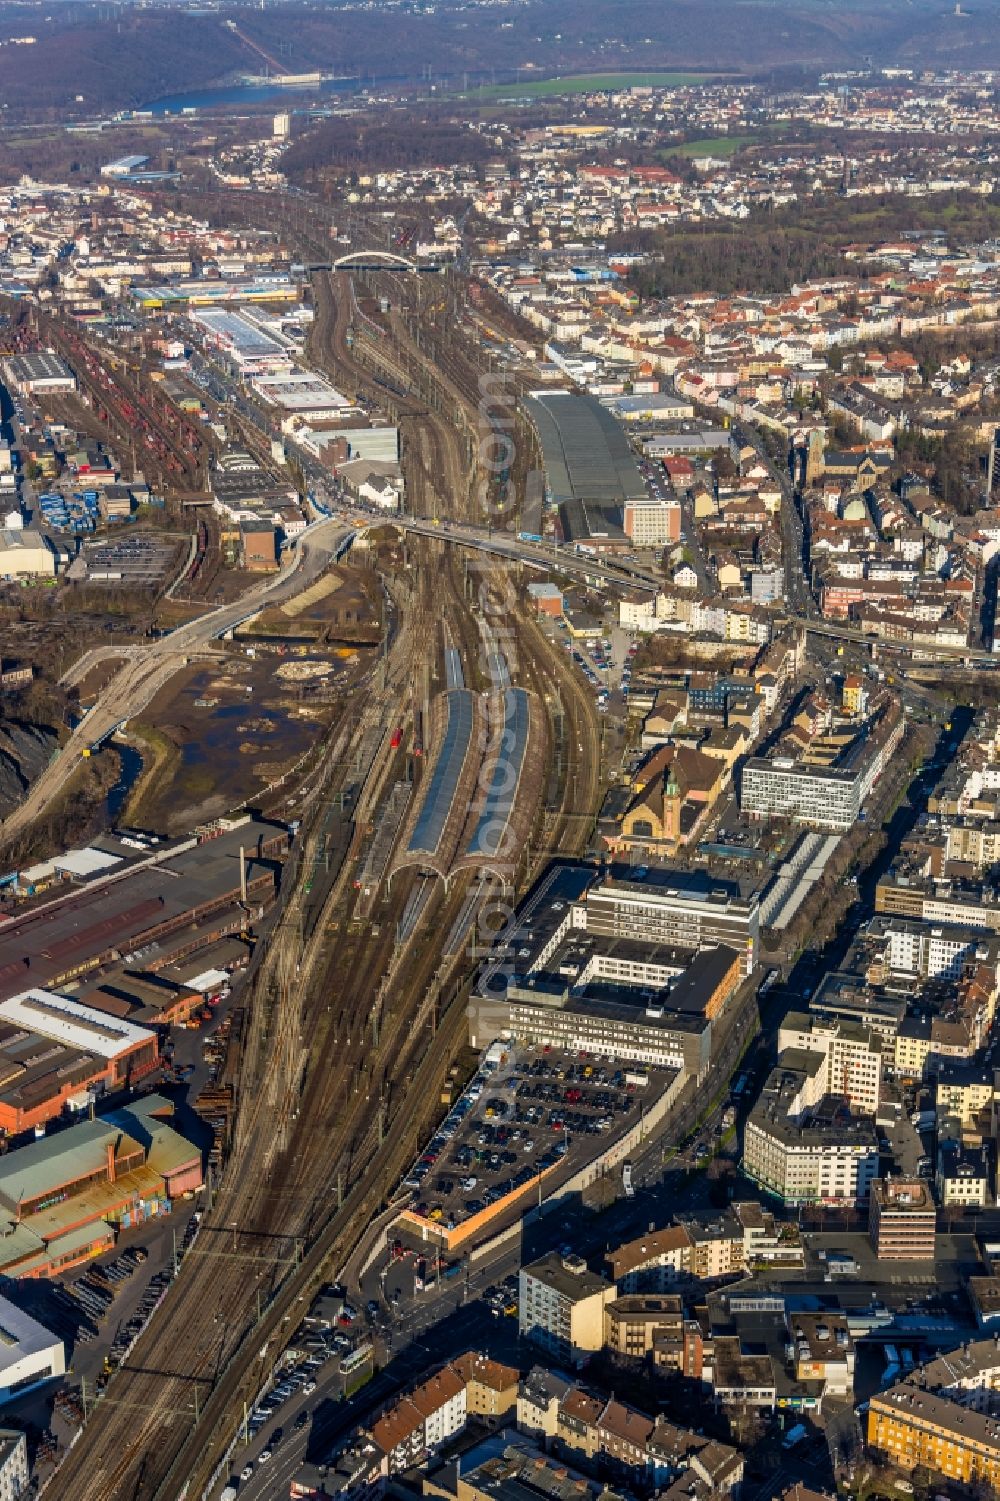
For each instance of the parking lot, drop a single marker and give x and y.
(540, 1108)
(137, 559)
(605, 662)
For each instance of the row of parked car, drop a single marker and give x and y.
(299, 1378)
(134, 1326)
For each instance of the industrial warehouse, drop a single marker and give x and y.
(591, 476)
(250, 348)
(586, 452)
(56, 1053)
(112, 902)
(63, 1198)
(29, 1354)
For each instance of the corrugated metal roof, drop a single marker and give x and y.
(76, 1026)
(585, 452)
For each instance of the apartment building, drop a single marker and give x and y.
(490, 1386)
(852, 1056)
(14, 1471)
(902, 1219)
(910, 1427)
(561, 1307)
(539, 1395)
(632, 1322)
(653, 1262)
(422, 1421)
(743, 1237)
(655, 1329)
(963, 1175)
(964, 1091)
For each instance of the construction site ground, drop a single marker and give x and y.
(217, 735)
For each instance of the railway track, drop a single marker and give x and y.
(328, 1069)
(135, 415)
(386, 365)
(350, 1029)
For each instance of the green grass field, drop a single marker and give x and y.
(712, 146)
(588, 83)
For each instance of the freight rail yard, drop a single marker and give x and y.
(499, 756)
(376, 1091)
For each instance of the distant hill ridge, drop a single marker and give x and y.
(142, 55)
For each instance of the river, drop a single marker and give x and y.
(247, 93)
(130, 766)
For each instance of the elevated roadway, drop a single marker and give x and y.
(611, 573)
(958, 655)
(148, 667)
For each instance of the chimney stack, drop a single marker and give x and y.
(111, 1162)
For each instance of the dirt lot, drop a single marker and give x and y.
(343, 605)
(215, 736)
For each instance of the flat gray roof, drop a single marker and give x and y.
(585, 452)
(20, 1336)
(488, 836)
(433, 817)
(39, 366)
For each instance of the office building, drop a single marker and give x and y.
(652, 523)
(680, 909)
(804, 1146)
(852, 1056)
(820, 796)
(934, 950)
(902, 1219)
